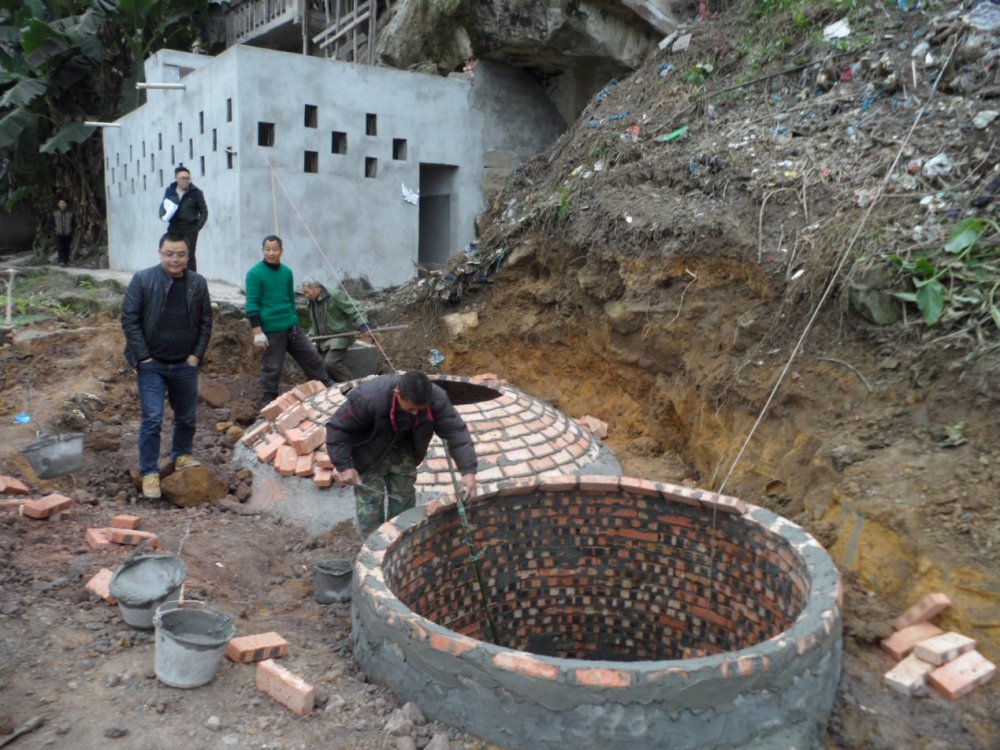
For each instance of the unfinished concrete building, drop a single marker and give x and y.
(365, 172)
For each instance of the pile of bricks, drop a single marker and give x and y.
(284, 686)
(15, 495)
(124, 529)
(516, 436)
(926, 654)
(293, 436)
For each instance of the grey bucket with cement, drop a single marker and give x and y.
(54, 456)
(143, 584)
(332, 580)
(190, 641)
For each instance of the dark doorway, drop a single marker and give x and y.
(437, 183)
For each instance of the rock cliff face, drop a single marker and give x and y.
(572, 46)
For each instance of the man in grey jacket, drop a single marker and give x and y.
(378, 437)
(167, 321)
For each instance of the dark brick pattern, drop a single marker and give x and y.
(602, 576)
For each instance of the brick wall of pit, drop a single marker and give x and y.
(631, 627)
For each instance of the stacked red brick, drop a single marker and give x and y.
(293, 436)
(516, 436)
(926, 654)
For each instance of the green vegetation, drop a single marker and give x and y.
(956, 284)
(66, 61)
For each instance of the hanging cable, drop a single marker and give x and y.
(276, 178)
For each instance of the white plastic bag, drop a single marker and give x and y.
(169, 209)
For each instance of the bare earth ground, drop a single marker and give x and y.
(655, 293)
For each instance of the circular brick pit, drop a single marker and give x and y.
(630, 614)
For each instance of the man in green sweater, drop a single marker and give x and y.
(270, 289)
(332, 313)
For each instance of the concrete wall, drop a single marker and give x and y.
(519, 119)
(361, 224)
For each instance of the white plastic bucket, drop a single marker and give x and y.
(191, 639)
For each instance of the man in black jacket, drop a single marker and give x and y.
(380, 434)
(167, 321)
(191, 212)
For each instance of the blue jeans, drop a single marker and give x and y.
(157, 382)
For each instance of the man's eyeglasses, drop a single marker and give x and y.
(174, 254)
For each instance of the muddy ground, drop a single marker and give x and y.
(653, 284)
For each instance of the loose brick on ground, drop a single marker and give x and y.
(12, 486)
(902, 642)
(598, 427)
(909, 677)
(46, 506)
(98, 538)
(100, 584)
(287, 688)
(961, 676)
(323, 477)
(133, 537)
(125, 522)
(944, 648)
(12, 504)
(923, 611)
(249, 648)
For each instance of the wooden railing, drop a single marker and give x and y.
(248, 17)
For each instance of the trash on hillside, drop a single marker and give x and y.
(619, 115)
(781, 134)
(933, 202)
(631, 134)
(22, 418)
(681, 44)
(839, 30)
(938, 166)
(985, 17)
(450, 283)
(984, 118)
(599, 97)
(664, 70)
(674, 135)
(435, 358)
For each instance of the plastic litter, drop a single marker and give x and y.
(435, 358)
(22, 418)
(674, 135)
(599, 97)
(985, 17)
(664, 69)
(984, 118)
(938, 166)
(781, 134)
(839, 30)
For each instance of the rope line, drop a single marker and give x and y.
(845, 254)
(840, 265)
(275, 177)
